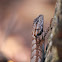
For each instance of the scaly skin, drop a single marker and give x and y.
(38, 39)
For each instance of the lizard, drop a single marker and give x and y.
(38, 39)
(36, 32)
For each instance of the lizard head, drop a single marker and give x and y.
(38, 25)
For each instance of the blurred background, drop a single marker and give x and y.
(16, 19)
